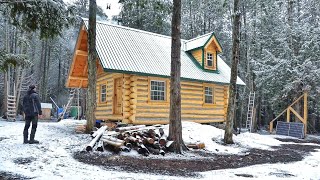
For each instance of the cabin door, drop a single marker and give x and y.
(117, 96)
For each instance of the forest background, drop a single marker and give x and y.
(279, 46)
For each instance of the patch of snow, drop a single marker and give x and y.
(52, 158)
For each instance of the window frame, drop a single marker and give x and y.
(158, 91)
(213, 94)
(166, 91)
(212, 59)
(103, 93)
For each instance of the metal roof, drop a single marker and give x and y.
(128, 50)
(197, 42)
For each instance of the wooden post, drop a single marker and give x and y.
(305, 112)
(288, 115)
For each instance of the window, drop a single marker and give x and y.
(103, 93)
(157, 90)
(208, 95)
(209, 59)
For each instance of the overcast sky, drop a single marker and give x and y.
(115, 6)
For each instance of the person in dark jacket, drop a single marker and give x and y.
(32, 110)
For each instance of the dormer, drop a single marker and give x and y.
(204, 50)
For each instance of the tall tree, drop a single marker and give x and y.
(92, 68)
(175, 126)
(234, 73)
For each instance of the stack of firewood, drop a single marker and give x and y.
(144, 139)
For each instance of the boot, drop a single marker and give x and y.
(25, 138)
(32, 140)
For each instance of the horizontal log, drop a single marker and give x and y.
(110, 138)
(133, 95)
(126, 98)
(151, 121)
(105, 107)
(112, 143)
(196, 145)
(126, 103)
(127, 92)
(122, 129)
(133, 101)
(133, 78)
(187, 83)
(126, 87)
(132, 118)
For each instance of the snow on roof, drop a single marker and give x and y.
(135, 51)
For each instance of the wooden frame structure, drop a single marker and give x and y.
(290, 109)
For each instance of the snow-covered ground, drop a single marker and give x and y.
(52, 159)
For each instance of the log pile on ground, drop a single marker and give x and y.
(143, 139)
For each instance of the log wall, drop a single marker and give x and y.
(104, 109)
(197, 54)
(193, 107)
(139, 109)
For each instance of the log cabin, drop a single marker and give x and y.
(133, 75)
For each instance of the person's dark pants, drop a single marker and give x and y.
(29, 120)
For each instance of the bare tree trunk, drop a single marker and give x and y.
(234, 69)
(91, 93)
(175, 126)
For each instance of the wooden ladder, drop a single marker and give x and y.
(67, 107)
(11, 98)
(250, 111)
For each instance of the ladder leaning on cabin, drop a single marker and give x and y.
(250, 111)
(71, 96)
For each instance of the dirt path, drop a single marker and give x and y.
(189, 168)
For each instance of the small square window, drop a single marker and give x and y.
(209, 59)
(208, 95)
(103, 93)
(157, 90)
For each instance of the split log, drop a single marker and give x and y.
(148, 141)
(125, 149)
(161, 131)
(112, 143)
(169, 146)
(113, 139)
(196, 145)
(163, 140)
(143, 150)
(97, 137)
(162, 152)
(153, 150)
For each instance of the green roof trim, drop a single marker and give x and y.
(212, 35)
(201, 47)
(199, 66)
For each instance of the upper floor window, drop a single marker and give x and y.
(209, 59)
(208, 95)
(103, 93)
(158, 90)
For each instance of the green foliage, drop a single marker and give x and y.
(153, 16)
(47, 16)
(13, 59)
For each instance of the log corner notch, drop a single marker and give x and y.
(290, 109)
